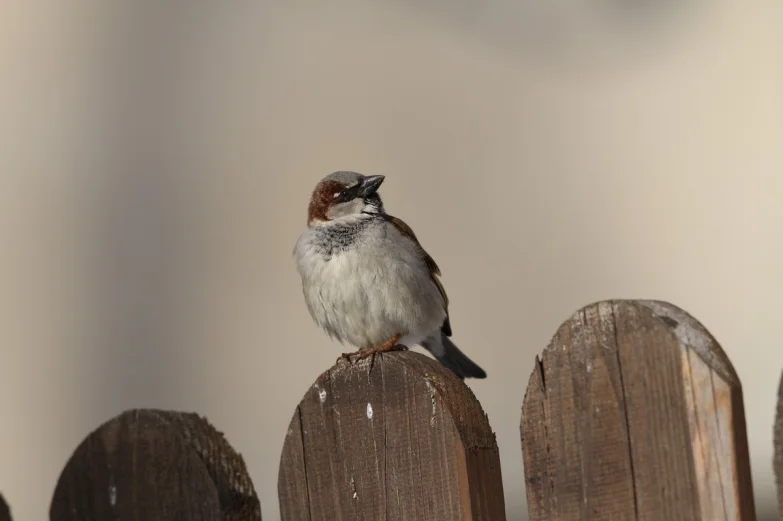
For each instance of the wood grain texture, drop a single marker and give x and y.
(778, 443)
(394, 438)
(634, 412)
(5, 510)
(155, 465)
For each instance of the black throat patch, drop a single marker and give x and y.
(336, 237)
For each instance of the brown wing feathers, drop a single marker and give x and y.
(406, 230)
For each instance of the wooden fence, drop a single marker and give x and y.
(633, 412)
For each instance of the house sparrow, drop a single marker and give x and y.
(366, 279)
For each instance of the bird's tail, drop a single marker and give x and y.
(450, 356)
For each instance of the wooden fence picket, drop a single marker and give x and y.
(634, 412)
(397, 437)
(5, 510)
(155, 465)
(778, 443)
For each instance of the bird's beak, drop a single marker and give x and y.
(370, 184)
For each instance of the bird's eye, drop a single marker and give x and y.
(346, 194)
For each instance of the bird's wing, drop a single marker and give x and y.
(433, 268)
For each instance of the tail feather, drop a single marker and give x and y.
(455, 360)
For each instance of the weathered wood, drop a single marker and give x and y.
(155, 465)
(5, 510)
(394, 438)
(634, 412)
(778, 443)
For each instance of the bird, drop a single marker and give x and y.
(366, 279)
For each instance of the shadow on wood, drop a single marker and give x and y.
(5, 510)
(157, 466)
(778, 443)
(396, 438)
(635, 412)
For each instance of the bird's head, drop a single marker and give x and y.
(345, 196)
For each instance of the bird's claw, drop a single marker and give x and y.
(361, 354)
(347, 357)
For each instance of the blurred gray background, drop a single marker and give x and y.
(156, 160)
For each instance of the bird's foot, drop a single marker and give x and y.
(361, 354)
(389, 345)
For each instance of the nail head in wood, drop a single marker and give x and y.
(157, 466)
(635, 412)
(397, 437)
